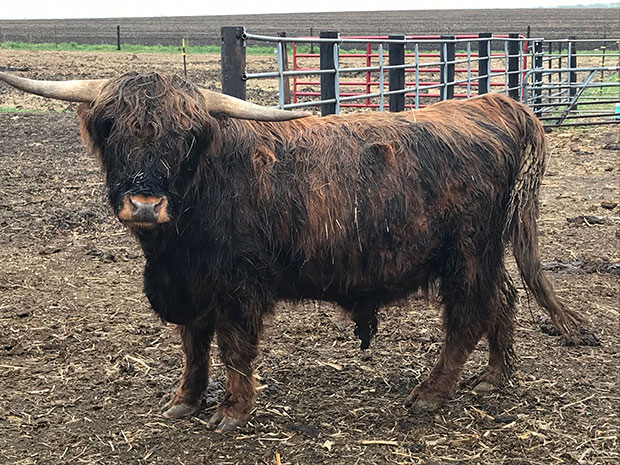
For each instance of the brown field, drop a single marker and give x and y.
(557, 23)
(85, 367)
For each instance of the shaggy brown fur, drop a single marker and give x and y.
(361, 210)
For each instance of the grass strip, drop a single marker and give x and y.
(127, 48)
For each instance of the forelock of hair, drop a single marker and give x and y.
(146, 105)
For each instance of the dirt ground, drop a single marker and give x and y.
(85, 367)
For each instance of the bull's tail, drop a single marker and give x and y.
(522, 231)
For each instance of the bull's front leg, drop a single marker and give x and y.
(196, 346)
(238, 344)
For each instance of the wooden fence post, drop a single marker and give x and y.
(513, 67)
(396, 77)
(484, 63)
(572, 64)
(328, 80)
(233, 61)
(118, 37)
(446, 69)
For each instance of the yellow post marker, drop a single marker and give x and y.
(184, 54)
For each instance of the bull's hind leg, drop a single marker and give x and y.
(464, 328)
(196, 346)
(502, 357)
(469, 300)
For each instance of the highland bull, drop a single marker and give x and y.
(237, 206)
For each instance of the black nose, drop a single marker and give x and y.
(145, 212)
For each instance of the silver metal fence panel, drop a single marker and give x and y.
(594, 101)
(553, 96)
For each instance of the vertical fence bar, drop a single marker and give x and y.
(381, 79)
(336, 51)
(514, 66)
(328, 80)
(549, 65)
(560, 51)
(417, 76)
(468, 69)
(368, 75)
(118, 37)
(572, 64)
(523, 46)
(538, 64)
(280, 76)
(506, 54)
(447, 67)
(603, 48)
(484, 63)
(396, 77)
(233, 61)
(294, 68)
(618, 65)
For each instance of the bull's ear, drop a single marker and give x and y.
(82, 112)
(81, 109)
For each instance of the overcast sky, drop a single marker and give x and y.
(50, 9)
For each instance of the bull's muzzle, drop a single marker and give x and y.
(144, 210)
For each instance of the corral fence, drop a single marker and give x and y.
(562, 85)
(571, 88)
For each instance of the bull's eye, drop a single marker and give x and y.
(104, 127)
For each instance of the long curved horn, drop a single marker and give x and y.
(237, 108)
(71, 91)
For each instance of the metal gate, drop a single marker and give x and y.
(426, 67)
(402, 72)
(562, 93)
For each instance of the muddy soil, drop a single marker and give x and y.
(85, 367)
